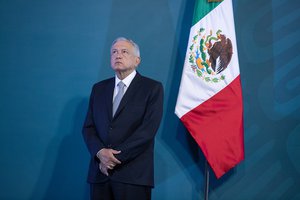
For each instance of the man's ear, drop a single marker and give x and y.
(137, 61)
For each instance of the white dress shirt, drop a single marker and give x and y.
(126, 81)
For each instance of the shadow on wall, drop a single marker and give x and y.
(64, 176)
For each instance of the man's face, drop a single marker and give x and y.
(122, 57)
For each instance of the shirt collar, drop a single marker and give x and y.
(126, 80)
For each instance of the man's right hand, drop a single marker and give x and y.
(103, 169)
(107, 158)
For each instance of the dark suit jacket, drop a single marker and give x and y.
(131, 130)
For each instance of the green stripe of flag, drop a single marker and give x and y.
(202, 8)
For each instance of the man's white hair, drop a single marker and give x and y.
(136, 49)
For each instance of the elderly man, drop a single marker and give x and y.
(123, 116)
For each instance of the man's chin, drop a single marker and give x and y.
(119, 69)
(119, 65)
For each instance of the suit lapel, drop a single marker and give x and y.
(109, 97)
(129, 93)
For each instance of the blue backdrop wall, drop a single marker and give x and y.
(53, 51)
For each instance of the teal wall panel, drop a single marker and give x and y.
(51, 53)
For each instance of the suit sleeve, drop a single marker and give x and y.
(145, 133)
(91, 138)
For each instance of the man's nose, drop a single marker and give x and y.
(119, 54)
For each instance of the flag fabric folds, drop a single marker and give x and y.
(209, 101)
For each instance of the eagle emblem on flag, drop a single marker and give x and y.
(210, 55)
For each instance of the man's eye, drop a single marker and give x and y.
(125, 51)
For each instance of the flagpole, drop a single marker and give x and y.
(206, 189)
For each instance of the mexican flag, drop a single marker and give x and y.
(209, 101)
